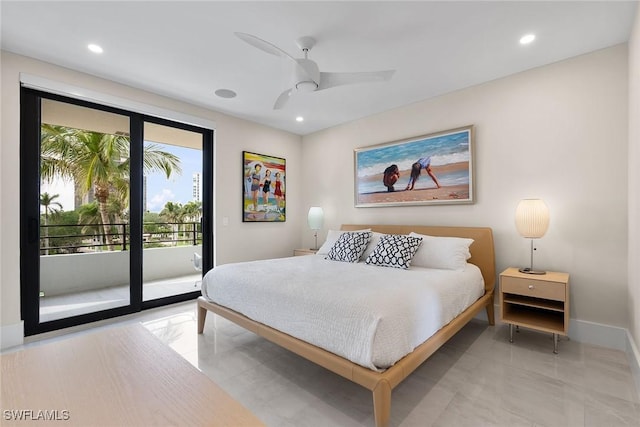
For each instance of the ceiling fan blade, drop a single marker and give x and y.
(283, 99)
(264, 45)
(328, 80)
(272, 49)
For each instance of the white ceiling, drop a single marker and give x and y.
(187, 50)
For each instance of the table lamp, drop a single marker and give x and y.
(314, 219)
(532, 221)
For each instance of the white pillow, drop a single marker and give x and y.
(375, 239)
(332, 238)
(394, 250)
(349, 247)
(446, 253)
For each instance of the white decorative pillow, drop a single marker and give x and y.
(394, 250)
(349, 247)
(375, 239)
(446, 253)
(332, 238)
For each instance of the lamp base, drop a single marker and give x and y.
(527, 270)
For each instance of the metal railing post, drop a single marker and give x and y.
(195, 235)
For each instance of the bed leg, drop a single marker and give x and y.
(490, 313)
(202, 316)
(382, 403)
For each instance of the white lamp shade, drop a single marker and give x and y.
(315, 218)
(532, 218)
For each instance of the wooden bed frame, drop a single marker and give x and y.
(381, 383)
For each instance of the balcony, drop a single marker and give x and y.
(94, 279)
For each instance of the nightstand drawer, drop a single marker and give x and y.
(534, 288)
(301, 252)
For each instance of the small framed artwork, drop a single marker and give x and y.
(264, 188)
(424, 170)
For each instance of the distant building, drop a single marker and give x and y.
(144, 193)
(196, 188)
(81, 198)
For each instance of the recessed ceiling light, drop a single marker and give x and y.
(226, 93)
(527, 39)
(95, 48)
(299, 119)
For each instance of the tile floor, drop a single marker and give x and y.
(476, 379)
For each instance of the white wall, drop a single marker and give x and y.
(258, 240)
(634, 185)
(557, 132)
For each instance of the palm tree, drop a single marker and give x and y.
(99, 161)
(173, 213)
(47, 201)
(89, 215)
(192, 212)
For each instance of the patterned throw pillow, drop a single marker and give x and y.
(394, 250)
(349, 247)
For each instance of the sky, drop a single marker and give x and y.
(160, 190)
(178, 188)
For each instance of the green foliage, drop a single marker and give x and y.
(63, 231)
(100, 162)
(149, 217)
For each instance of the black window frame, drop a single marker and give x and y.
(30, 116)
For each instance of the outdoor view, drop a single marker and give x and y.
(85, 200)
(85, 206)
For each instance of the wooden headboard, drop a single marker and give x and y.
(482, 253)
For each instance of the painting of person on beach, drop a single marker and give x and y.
(416, 170)
(437, 169)
(257, 205)
(391, 176)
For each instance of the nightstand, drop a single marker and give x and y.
(539, 302)
(300, 252)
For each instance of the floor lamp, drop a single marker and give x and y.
(532, 222)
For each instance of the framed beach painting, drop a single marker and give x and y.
(425, 170)
(263, 198)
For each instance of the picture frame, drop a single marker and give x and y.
(442, 165)
(263, 172)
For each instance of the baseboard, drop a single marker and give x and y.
(634, 360)
(585, 332)
(11, 335)
(598, 334)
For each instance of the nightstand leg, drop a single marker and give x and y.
(510, 332)
(555, 343)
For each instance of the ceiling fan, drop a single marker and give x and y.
(307, 77)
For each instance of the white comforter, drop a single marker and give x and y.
(370, 315)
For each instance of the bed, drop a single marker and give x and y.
(380, 374)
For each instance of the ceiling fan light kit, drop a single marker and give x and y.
(308, 86)
(306, 75)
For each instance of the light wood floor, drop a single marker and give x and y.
(476, 379)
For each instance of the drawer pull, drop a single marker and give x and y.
(530, 286)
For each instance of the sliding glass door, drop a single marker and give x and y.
(172, 206)
(115, 210)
